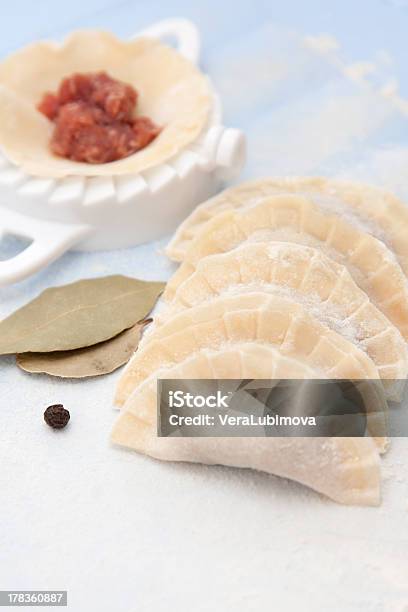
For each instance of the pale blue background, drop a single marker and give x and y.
(124, 533)
(363, 26)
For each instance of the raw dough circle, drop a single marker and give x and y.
(172, 92)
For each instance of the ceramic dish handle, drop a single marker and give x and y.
(183, 31)
(49, 241)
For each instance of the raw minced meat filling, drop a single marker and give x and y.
(94, 117)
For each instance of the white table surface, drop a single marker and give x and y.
(124, 533)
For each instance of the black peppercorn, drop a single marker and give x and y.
(56, 416)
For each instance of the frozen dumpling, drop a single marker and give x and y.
(307, 276)
(369, 208)
(295, 219)
(344, 469)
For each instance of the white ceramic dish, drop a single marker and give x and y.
(116, 212)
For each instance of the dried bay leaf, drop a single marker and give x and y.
(78, 315)
(95, 360)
